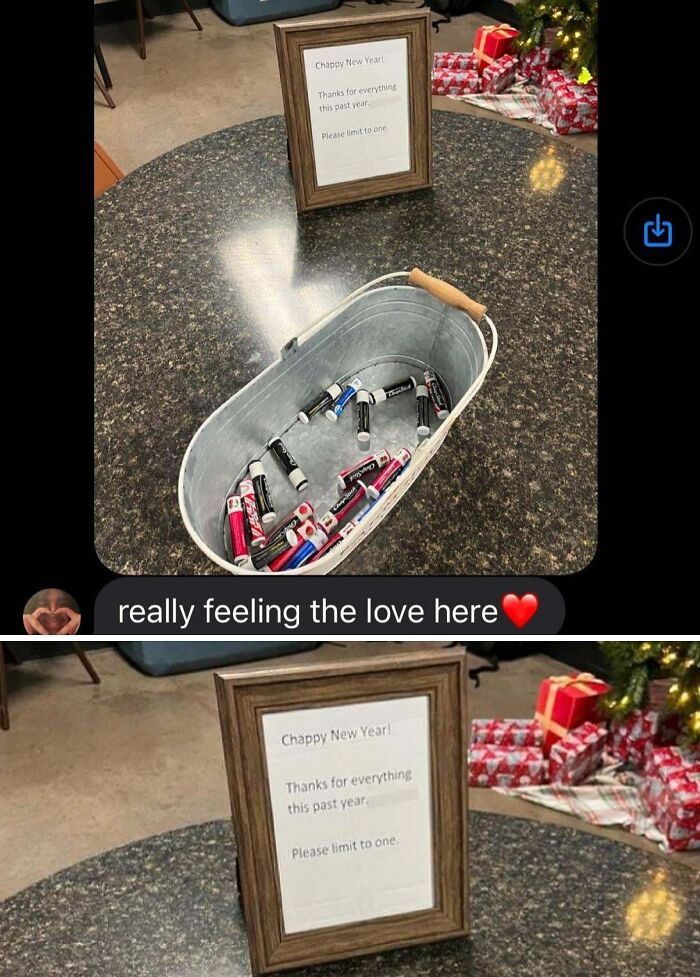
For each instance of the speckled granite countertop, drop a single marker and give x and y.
(204, 271)
(544, 900)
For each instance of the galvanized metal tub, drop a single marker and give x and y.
(381, 332)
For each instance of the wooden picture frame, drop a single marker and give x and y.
(379, 682)
(295, 37)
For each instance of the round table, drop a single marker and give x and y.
(544, 900)
(204, 271)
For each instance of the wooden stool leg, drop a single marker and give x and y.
(190, 11)
(142, 36)
(86, 663)
(108, 98)
(4, 708)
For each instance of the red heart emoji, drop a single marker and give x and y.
(519, 609)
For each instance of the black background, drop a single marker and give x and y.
(643, 577)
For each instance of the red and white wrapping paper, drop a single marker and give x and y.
(448, 82)
(671, 794)
(455, 60)
(570, 107)
(534, 63)
(500, 75)
(574, 757)
(633, 738)
(506, 766)
(507, 732)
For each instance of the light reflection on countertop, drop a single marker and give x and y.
(260, 260)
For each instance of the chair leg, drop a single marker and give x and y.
(4, 708)
(102, 65)
(190, 11)
(108, 98)
(86, 663)
(142, 35)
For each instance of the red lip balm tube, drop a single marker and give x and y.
(252, 516)
(345, 504)
(293, 520)
(399, 461)
(333, 541)
(236, 525)
(305, 531)
(368, 465)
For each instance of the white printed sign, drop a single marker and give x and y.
(358, 102)
(350, 788)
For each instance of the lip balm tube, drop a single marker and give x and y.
(319, 402)
(312, 545)
(272, 550)
(386, 393)
(333, 541)
(304, 531)
(345, 504)
(252, 516)
(362, 416)
(236, 525)
(263, 499)
(368, 465)
(392, 470)
(422, 411)
(438, 394)
(367, 509)
(302, 512)
(284, 456)
(334, 412)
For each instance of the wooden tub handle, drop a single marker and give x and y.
(447, 293)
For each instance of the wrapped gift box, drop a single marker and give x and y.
(569, 106)
(506, 766)
(672, 759)
(671, 794)
(492, 42)
(633, 738)
(447, 82)
(454, 61)
(500, 75)
(534, 63)
(565, 702)
(507, 732)
(574, 757)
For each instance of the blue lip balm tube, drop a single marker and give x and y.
(334, 412)
(305, 552)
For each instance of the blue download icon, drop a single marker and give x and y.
(658, 233)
